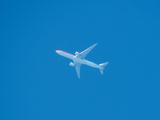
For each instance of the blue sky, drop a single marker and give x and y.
(37, 83)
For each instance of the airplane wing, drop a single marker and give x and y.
(77, 66)
(83, 54)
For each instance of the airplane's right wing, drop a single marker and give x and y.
(77, 66)
(83, 54)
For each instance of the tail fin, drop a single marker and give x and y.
(102, 65)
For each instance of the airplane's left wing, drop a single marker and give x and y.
(83, 54)
(77, 67)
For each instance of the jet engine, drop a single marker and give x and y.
(71, 64)
(76, 53)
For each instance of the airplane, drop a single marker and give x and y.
(78, 59)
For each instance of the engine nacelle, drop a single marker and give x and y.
(76, 53)
(71, 64)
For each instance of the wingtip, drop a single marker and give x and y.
(95, 44)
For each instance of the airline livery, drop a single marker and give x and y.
(78, 59)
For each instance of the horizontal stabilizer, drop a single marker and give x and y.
(101, 71)
(103, 64)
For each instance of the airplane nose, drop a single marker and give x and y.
(57, 51)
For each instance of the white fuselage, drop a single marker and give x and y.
(76, 59)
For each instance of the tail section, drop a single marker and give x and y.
(102, 65)
(101, 71)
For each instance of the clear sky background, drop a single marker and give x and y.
(38, 84)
